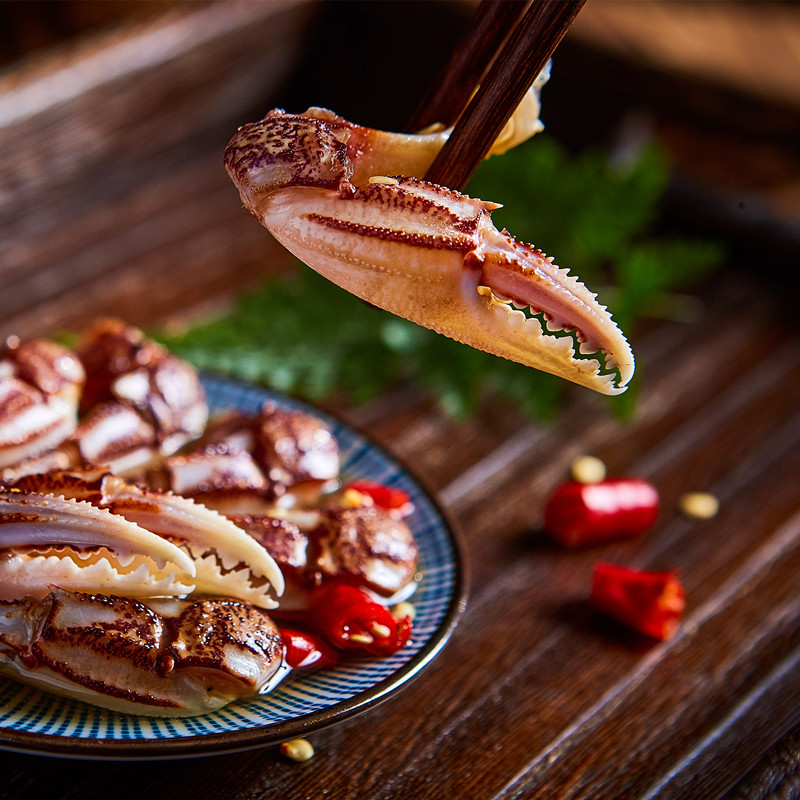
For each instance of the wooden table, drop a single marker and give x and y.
(536, 695)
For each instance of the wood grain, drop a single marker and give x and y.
(110, 158)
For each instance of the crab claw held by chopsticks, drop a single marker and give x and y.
(343, 199)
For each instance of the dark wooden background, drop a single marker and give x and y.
(113, 200)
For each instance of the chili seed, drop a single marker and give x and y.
(404, 609)
(384, 179)
(380, 631)
(699, 505)
(588, 469)
(298, 749)
(354, 499)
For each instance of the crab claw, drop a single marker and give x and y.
(421, 251)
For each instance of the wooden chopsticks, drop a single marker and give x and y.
(521, 56)
(449, 94)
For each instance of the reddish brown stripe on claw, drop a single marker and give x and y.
(433, 241)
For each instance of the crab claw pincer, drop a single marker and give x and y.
(419, 250)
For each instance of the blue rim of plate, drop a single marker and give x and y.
(35, 722)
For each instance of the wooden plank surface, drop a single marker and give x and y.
(536, 695)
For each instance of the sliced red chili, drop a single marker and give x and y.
(649, 602)
(589, 513)
(307, 651)
(351, 620)
(383, 496)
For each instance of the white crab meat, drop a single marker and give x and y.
(216, 470)
(140, 401)
(365, 544)
(424, 252)
(246, 463)
(40, 384)
(116, 435)
(162, 657)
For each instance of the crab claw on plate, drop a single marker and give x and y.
(344, 204)
(228, 562)
(47, 540)
(220, 557)
(159, 657)
(40, 387)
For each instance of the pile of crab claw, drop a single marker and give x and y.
(145, 548)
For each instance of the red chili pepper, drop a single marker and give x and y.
(383, 496)
(351, 620)
(588, 513)
(650, 602)
(305, 650)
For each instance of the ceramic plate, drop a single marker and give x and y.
(33, 721)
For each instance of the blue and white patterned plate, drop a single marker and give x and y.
(33, 721)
